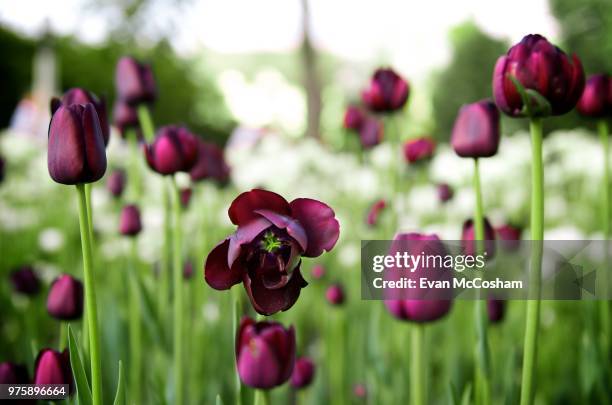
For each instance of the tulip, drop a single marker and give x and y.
(65, 299)
(541, 67)
(375, 211)
(353, 118)
(468, 236)
(360, 390)
(303, 373)
(596, 99)
(134, 81)
(188, 270)
(116, 182)
(129, 223)
(371, 132)
(186, 196)
(496, 309)
(25, 281)
(445, 192)
(476, 130)
(53, 367)
(419, 149)
(509, 237)
(265, 251)
(11, 373)
(76, 146)
(210, 164)
(318, 272)
(125, 117)
(386, 92)
(174, 149)
(265, 353)
(335, 294)
(82, 96)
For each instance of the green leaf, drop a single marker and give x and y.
(466, 398)
(82, 386)
(152, 323)
(219, 401)
(120, 394)
(453, 394)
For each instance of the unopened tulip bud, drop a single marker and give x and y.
(596, 99)
(303, 373)
(318, 272)
(134, 81)
(353, 118)
(53, 367)
(509, 237)
(188, 270)
(174, 149)
(496, 309)
(419, 149)
(65, 299)
(129, 223)
(476, 130)
(82, 96)
(375, 211)
(116, 183)
(210, 164)
(386, 92)
(265, 353)
(11, 373)
(185, 195)
(335, 294)
(445, 192)
(371, 132)
(25, 281)
(125, 117)
(468, 236)
(360, 391)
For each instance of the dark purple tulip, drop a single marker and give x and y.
(371, 132)
(418, 305)
(188, 270)
(375, 211)
(134, 81)
(596, 99)
(386, 92)
(509, 237)
(335, 294)
(174, 149)
(11, 373)
(116, 182)
(265, 353)
(496, 309)
(53, 367)
(65, 299)
(125, 117)
(419, 149)
(445, 192)
(25, 281)
(82, 96)
(318, 272)
(185, 195)
(360, 391)
(476, 130)
(468, 236)
(76, 147)
(303, 373)
(265, 251)
(353, 118)
(540, 66)
(129, 223)
(210, 164)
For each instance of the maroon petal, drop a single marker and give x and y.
(294, 229)
(217, 273)
(319, 222)
(267, 301)
(243, 207)
(243, 235)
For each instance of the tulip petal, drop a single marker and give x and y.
(267, 301)
(283, 344)
(95, 152)
(243, 235)
(65, 159)
(217, 273)
(293, 227)
(243, 207)
(319, 222)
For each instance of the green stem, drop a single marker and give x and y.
(177, 274)
(417, 369)
(604, 304)
(135, 326)
(62, 339)
(90, 298)
(135, 156)
(262, 397)
(537, 236)
(146, 122)
(236, 309)
(166, 255)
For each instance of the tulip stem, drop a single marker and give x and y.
(177, 274)
(602, 127)
(134, 325)
(537, 236)
(90, 297)
(262, 397)
(237, 310)
(134, 175)
(482, 343)
(146, 122)
(62, 339)
(417, 370)
(166, 255)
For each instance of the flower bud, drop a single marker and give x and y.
(185, 196)
(125, 117)
(65, 299)
(335, 294)
(386, 92)
(76, 147)
(188, 270)
(360, 391)
(11, 373)
(53, 367)
(25, 281)
(353, 118)
(116, 182)
(476, 130)
(82, 96)
(496, 309)
(303, 373)
(210, 164)
(134, 81)
(468, 236)
(541, 67)
(129, 223)
(596, 99)
(509, 236)
(445, 192)
(318, 272)
(371, 132)
(174, 149)
(375, 211)
(265, 353)
(419, 149)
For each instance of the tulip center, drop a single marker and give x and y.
(270, 242)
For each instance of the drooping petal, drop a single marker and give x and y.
(217, 273)
(244, 206)
(319, 222)
(267, 301)
(294, 229)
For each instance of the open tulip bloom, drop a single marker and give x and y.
(265, 251)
